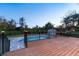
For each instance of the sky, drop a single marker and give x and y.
(37, 13)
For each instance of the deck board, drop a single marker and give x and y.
(59, 46)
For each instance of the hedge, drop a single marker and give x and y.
(73, 34)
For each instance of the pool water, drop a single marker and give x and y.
(18, 42)
(36, 37)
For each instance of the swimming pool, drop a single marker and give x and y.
(36, 37)
(18, 42)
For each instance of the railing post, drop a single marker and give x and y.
(4, 43)
(39, 34)
(2, 34)
(25, 38)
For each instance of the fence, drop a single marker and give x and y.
(38, 36)
(4, 43)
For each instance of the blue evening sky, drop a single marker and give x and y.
(37, 13)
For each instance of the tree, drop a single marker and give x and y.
(65, 21)
(12, 24)
(71, 19)
(48, 26)
(35, 29)
(3, 24)
(22, 22)
(26, 26)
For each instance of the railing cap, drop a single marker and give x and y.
(25, 31)
(2, 31)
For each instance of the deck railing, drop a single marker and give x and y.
(4, 43)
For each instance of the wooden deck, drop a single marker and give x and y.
(59, 46)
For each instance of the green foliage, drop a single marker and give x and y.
(75, 34)
(71, 19)
(77, 28)
(48, 26)
(10, 27)
(14, 32)
(72, 34)
(22, 22)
